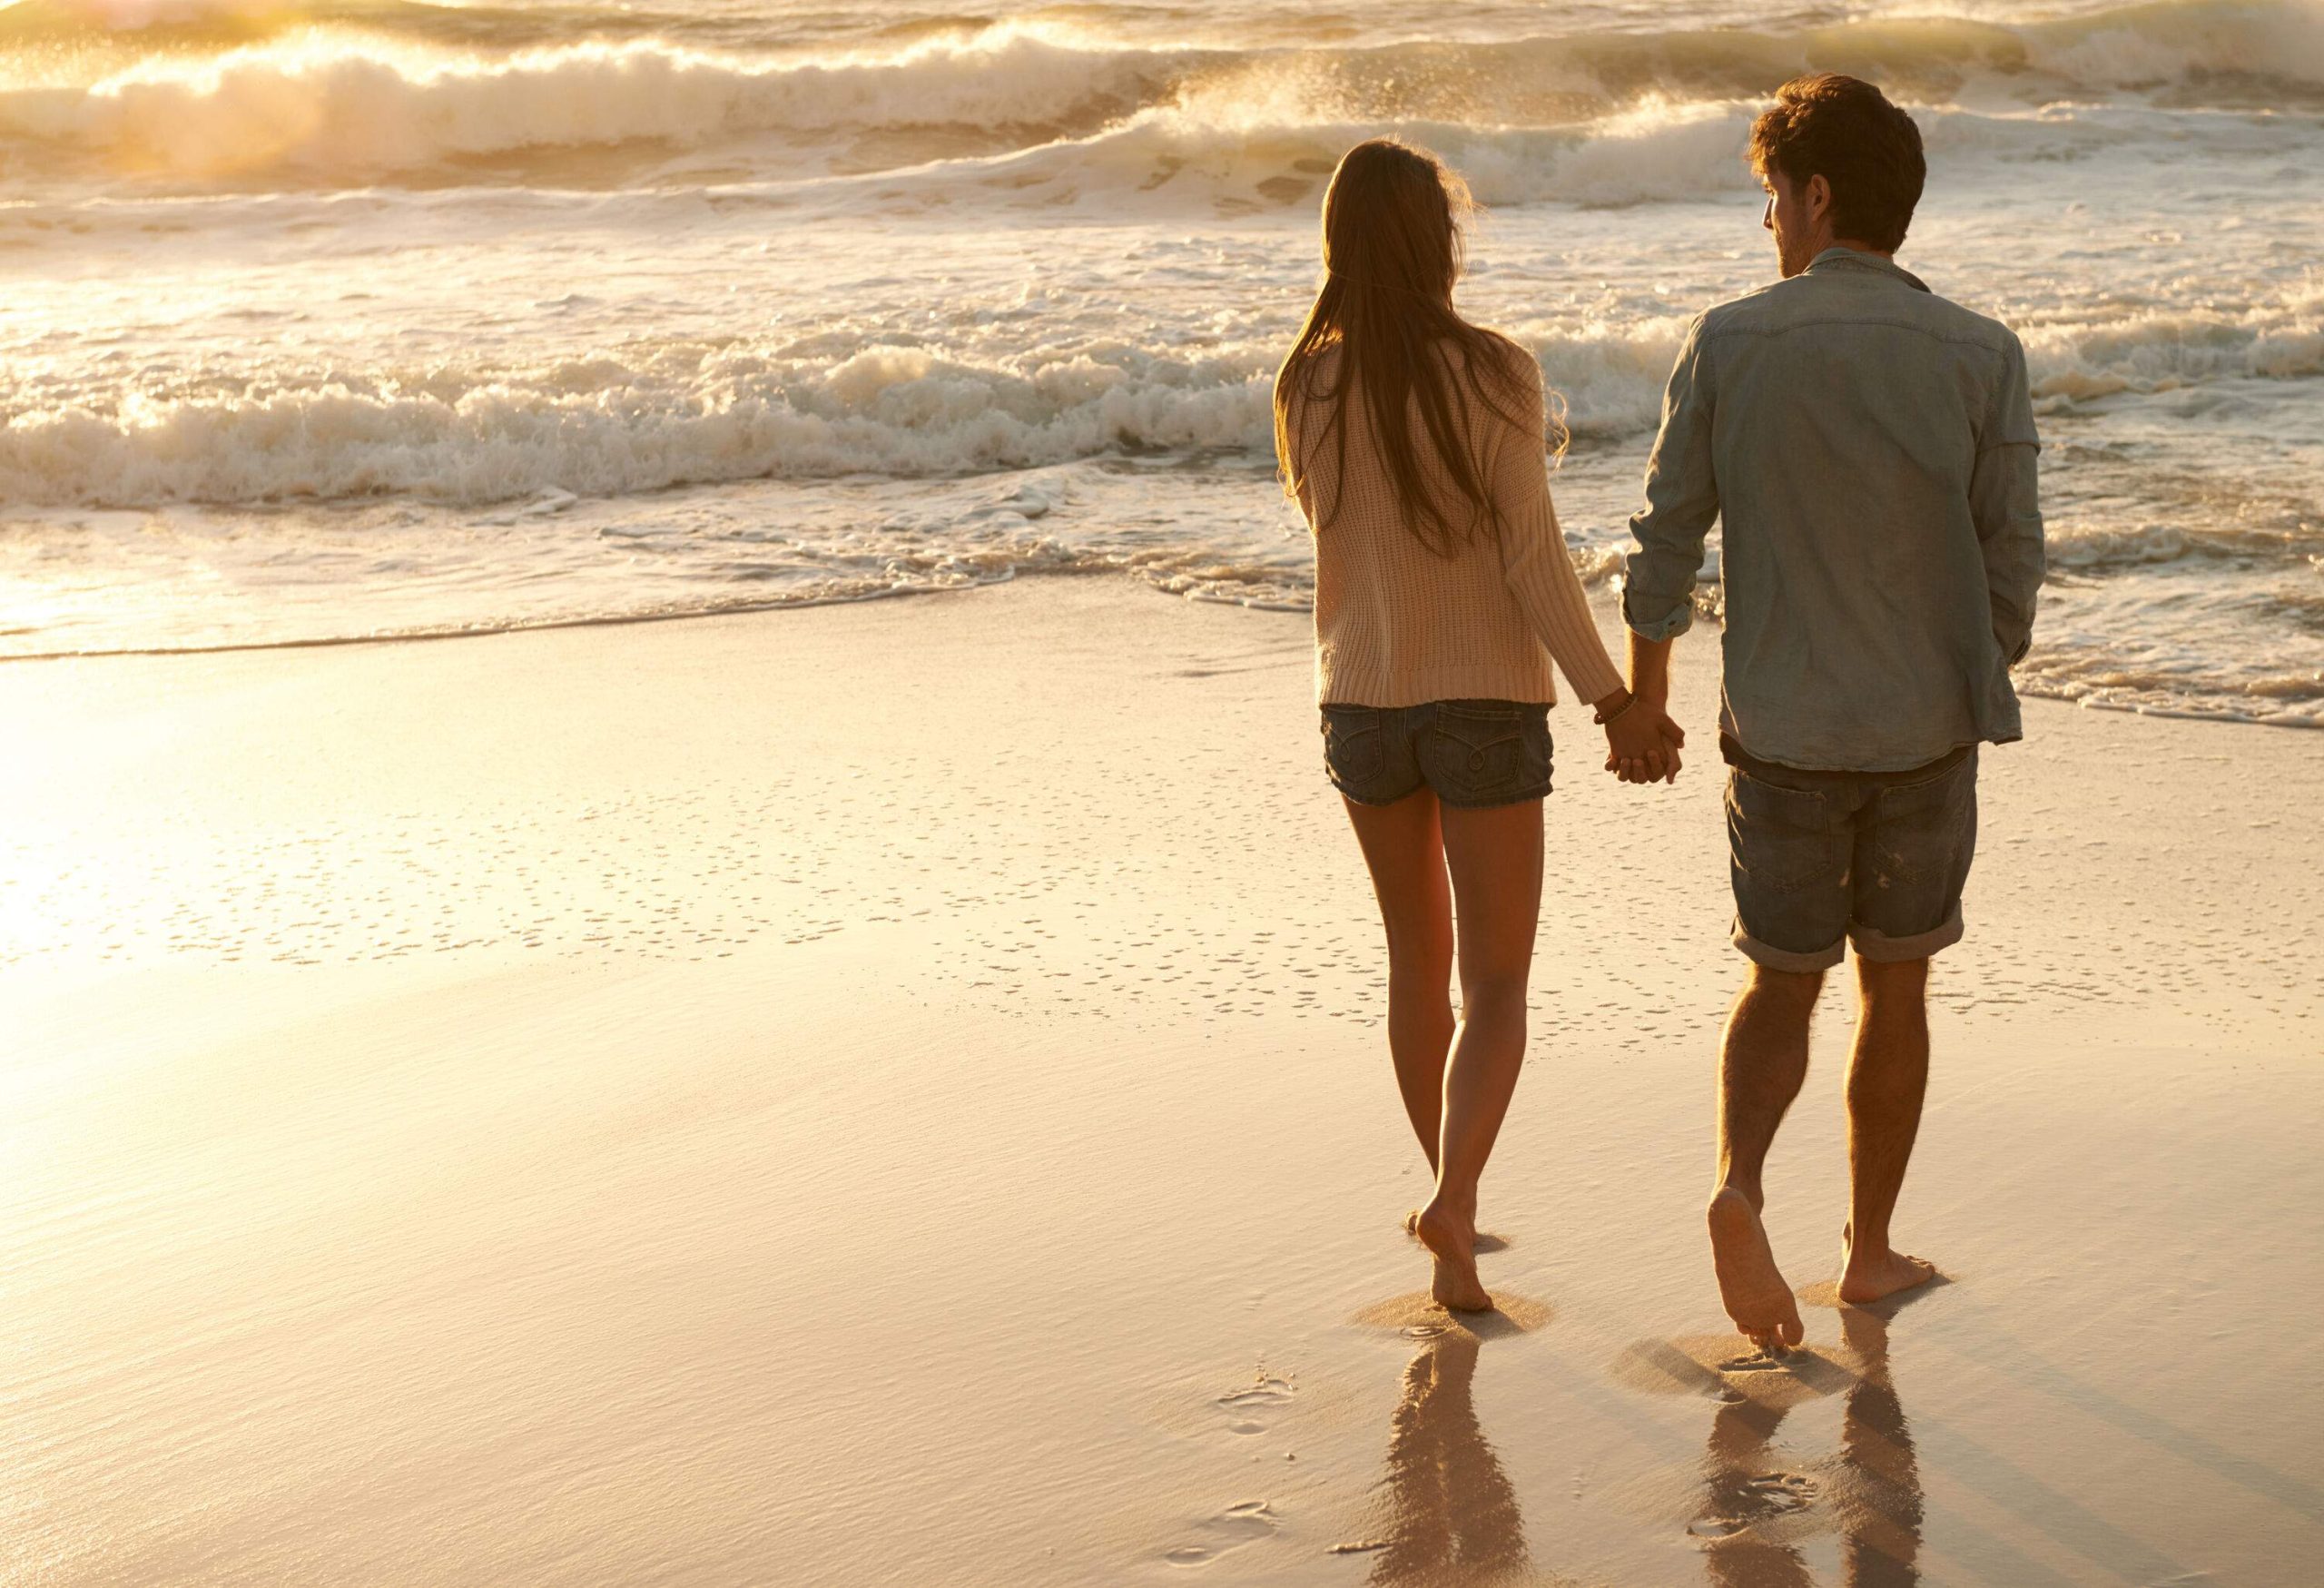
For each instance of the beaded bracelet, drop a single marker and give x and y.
(1618, 711)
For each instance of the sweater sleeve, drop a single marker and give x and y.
(1534, 561)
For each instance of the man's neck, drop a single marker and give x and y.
(1854, 247)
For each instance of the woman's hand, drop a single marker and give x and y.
(1641, 741)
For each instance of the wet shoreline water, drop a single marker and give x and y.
(481, 330)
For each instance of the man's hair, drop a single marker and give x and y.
(1844, 130)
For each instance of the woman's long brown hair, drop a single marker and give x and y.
(1393, 249)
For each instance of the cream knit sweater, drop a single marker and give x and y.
(1398, 624)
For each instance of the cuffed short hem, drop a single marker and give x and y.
(1775, 958)
(1882, 949)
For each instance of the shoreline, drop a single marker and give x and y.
(1120, 576)
(895, 1090)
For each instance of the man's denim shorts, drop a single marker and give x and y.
(1875, 859)
(1475, 753)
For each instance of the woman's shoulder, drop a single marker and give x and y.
(1307, 381)
(1499, 382)
(1506, 361)
(1311, 371)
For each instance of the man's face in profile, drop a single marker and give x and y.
(1797, 218)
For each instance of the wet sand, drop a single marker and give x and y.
(894, 1094)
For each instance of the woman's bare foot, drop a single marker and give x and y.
(1486, 1241)
(1872, 1276)
(1452, 1244)
(1749, 1283)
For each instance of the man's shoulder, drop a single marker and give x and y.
(1745, 313)
(1959, 322)
(1804, 302)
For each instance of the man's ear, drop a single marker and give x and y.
(1817, 198)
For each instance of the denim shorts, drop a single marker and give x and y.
(1475, 753)
(1875, 859)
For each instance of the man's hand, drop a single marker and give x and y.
(1642, 744)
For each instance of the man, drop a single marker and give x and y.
(1869, 447)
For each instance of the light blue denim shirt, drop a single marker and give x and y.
(1869, 449)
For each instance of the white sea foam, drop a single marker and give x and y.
(640, 420)
(2158, 349)
(603, 427)
(606, 428)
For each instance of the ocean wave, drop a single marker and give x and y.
(353, 110)
(2162, 349)
(1222, 161)
(217, 24)
(332, 106)
(2094, 548)
(605, 424)
(1234, 155)
(1189, 158)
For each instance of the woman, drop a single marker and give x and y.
(1442, 592)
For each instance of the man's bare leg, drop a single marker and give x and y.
(1404, 850)
(1762, 1064)
(1495, 860)
(1887, 1078)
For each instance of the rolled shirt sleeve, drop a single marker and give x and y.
(2004, 502)
(1681, 503)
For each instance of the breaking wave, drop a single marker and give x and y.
(352, 104)
(681, 414)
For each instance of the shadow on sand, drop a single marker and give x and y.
(1448, 1511)
(1755, 1514)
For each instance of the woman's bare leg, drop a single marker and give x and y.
(1495, 860)
(1405, 851)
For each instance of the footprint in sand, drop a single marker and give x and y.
(1756, 1499)
(1264, 1390)
(1783, 1491)
(1254, 1407)
(1230, 1529)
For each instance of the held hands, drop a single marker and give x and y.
(1641, 741)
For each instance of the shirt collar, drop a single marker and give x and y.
(1838, 258)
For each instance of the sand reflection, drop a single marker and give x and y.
(1757, 1511)
(1451, 1515)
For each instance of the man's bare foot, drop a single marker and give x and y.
(1749, 1283)
(1452, 1244)
(1872, 1276)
